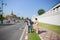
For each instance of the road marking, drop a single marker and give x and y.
(22, 34)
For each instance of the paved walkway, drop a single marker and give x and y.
(45, 34)
(48, 35)
(26, 36)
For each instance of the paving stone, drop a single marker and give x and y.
(48, 35)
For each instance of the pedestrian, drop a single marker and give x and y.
(29, 25)
(36, 25)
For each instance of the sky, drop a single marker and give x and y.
(27, 8)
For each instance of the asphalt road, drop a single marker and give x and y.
(12, 32)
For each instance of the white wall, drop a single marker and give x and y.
(50, 20)
(54, 19)
(50, 17)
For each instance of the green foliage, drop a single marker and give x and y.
(22, 18)
(51, 27)
(41, 11)
(0, 16)
(33, 36)
(19, 17)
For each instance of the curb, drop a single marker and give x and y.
(26, 37)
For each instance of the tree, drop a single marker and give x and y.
(22, 18)
(19, 17)
(41, 11)
(1, 18)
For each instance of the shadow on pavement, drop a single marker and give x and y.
(39, 32)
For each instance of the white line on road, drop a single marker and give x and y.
(22, 34)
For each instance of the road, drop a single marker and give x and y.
(12, 32)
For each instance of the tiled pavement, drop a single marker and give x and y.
(48, 35)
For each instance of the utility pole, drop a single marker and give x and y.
(1, 11)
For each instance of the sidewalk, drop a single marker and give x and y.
(48, 35)
(26, 36)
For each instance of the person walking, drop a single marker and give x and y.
(36, 25)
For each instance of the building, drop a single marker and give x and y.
(52, 16)
(10, 18)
